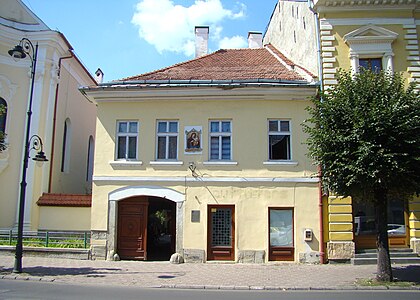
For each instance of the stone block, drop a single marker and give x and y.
(176, 258)
(98, 252)
(194, 255)
(251, 256)
(415, 245)
(309, 257)
(340, 250)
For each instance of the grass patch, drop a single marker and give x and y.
(374, 282)
(52, 243)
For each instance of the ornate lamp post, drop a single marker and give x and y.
(23, 49)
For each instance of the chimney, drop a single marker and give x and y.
(255, 40)
(201, 40)
(99, 76)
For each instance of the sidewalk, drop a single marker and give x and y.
(286, 276)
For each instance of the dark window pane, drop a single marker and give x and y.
(273, 126)
(133, 127)
(172, 147)
(162, 126)
(121, 147)
(173, 126)
(214, 126)
(161, 147)
(225, 126)
(221, 223)
(132, 147)
(122, 127)
(284, 126)
(226, 147)
(3, 115)
(279, 147)
(373, 64)
(214, 148)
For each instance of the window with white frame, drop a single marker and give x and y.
(167, 140)
(279, 136)
(371, 46)
(127, 139)
(221, 140)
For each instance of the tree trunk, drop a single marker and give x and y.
(384, 270)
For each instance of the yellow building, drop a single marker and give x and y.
(349, 34)
(205, 158)
(62, 117)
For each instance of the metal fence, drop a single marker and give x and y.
(53, 239)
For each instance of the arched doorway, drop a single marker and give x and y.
(145, 223)
(146, 228)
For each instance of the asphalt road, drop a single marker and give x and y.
(17, 289)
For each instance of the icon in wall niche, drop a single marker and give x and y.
(193, 139)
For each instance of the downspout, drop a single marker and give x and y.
(318, 44)
(321, 85)
(55, 118)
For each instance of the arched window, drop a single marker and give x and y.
(3, 115)
(65, 158)
(91, 150)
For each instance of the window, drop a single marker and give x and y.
(65, 155)
(220, 140)
(127, 136)
(373, 64)
(281, 234)
(371, 47)
(91, 151)
(167, 139)
(279, 139)
(3, 115)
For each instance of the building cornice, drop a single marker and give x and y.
(248, 92)
(357, 5)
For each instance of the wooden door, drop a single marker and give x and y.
(221, 232)
(132, 229)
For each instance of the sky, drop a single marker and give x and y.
(130, 37)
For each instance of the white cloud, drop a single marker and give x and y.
(170, 27)
(234, 42)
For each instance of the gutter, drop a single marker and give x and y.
(321, 85)
(318, 44)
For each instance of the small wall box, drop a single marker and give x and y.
(308, 235)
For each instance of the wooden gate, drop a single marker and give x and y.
(132, 228)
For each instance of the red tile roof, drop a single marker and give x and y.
(233, 64)
(69, 200)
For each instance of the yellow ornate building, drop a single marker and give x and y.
(348, 34)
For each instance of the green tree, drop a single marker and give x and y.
(365, 134)
(2, 134)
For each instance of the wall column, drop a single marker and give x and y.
(340, 246)
(414, 221)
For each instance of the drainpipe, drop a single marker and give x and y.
(318, 44)
(55, 119)
(321, 85)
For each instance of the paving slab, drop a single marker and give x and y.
(272, 276)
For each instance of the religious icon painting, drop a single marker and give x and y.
(193, 139)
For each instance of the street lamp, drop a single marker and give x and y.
(23, 49)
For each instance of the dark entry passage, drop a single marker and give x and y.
(161, 229)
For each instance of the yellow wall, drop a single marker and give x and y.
(252, 199)
(64, 218)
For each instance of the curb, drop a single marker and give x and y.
(12, 276)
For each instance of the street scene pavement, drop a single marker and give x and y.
(272, 276)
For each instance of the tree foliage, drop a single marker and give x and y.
(365, 135)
